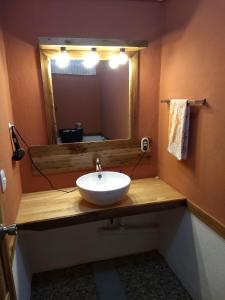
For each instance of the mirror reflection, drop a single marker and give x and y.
(91, 104)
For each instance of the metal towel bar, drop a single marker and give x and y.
(191, 102)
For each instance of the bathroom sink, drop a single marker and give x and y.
(103, 188)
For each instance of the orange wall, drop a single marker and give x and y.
(193, 66)
(25, 20)
(115, 101)
(9, 201)
(77, 99)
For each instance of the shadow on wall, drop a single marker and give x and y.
(173, 245)
(195, 253)
(194, 140)
(22, 275)
(184, 14)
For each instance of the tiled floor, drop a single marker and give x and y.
(137, 277)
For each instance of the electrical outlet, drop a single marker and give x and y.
(144, 144)
(3, 180)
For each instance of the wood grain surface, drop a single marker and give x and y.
(81, 156)
(52, 209)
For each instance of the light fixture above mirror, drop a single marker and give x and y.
(123, 57)
(92, 58)
(62, 59)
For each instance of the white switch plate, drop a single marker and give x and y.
(3, 180)
(10, 125)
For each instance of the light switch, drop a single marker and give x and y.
(3, 180)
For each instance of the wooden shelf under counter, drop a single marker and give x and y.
(53, 209)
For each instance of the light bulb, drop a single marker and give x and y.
(114, 62)
(62, 59)
(123, 57)
(91, 59)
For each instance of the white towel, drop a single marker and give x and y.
(179, 128)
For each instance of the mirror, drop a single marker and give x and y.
(89, 104)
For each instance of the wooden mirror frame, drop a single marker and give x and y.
(59, 158)
(47, 54)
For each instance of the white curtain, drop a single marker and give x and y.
(75, 67)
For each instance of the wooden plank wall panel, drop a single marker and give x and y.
(81, 156)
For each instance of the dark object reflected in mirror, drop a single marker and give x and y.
(91, 104)
(71, 135)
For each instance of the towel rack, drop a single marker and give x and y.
(191, 102)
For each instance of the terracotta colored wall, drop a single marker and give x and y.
(77, 99)
(25, 20)
(115, 101)
(9, 201)
(193, 66)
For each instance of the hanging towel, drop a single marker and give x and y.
(179, 128)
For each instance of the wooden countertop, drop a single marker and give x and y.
(52, 209)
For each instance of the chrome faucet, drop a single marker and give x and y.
(98, 167)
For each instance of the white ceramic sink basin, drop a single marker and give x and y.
(106, 189)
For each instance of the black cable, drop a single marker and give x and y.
(37, 168)
(137, 164)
